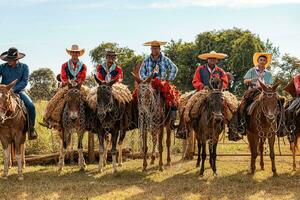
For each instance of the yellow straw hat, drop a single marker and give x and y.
(76, 48)
(212, 54)
(258, 54)
(155, 43)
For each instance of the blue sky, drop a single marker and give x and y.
(44, 28)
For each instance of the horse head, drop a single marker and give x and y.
(269, 100)
(216, 83)
(73, 100)
(6, 104)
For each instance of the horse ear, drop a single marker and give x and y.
(221, 85)
(262, 85)
(136, 78)
(11, 85)
(97, 80)
(274, 87)
(110, 84)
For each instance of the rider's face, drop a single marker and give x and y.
(212, 61)
(75, 55)
(262, 61)
(155, 50)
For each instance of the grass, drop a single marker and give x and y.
(179, 181)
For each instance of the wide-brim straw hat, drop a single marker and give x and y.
(155, 43)
(11, 54)
(75, 48)
(212, 54)
(258, 54)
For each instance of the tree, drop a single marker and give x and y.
(43, 84)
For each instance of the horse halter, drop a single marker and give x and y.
(4, 117)
(103, 109)
(269, 95)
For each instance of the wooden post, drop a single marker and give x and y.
(91, 151)
(190, 152)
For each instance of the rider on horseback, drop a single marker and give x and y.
(72, 71)
(158, 65)
(15, 70)
(258, 72)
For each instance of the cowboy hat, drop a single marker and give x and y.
(259, 54)
(12, 54)
(75, 48)
(110, 52)
(155, 43)
(212, 54)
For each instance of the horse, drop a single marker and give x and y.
(209, 125)
(293, 126)
(13, 127)
(111, 118)
(153, 116)
(73, 119)
(263, 124)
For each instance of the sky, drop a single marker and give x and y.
(43, 29)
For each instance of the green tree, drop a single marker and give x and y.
(43, 84)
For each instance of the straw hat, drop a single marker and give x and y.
(12, 54)
(155, 43)
(258, 54)
(212, 54)
(76, 48)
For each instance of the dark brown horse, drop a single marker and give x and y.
(73, 119)
(209, 125)
(12, 126)
(153, 116)
(111, 119)
(263, 125)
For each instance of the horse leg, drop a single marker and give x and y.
(107, 145)
(81, 161)
(154, 143)
(293, 148)
(23, 155)
(120, 147)
(160, 147)
(114, 138)
(199, 152)
(101, 151)
(145, 150)
(11, 155)
(272, 154)
(203, 144)
(6, 156)
(214, 155)
(19, 158)
(168, 141)
(261, 152)
(64, 144)
(253, 142)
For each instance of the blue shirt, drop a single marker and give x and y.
(164, 64)
(9, 74)
(265, 76)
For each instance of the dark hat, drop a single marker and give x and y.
(12, 54)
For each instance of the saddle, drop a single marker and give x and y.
(24, 110)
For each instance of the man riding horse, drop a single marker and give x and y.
(157, 64)
(257, 73)
(15, 70)
(109, 70)
(73, 71)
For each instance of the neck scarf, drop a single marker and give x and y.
(74, 70)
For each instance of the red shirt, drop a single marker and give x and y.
(203, 75)
(116, 74)
(297, 83)
(66, 75)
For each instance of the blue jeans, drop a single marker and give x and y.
(29, 105)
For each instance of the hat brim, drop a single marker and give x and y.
(206, 56)
(257, 55)
(155, 43)
(4, 56)
(81, 51)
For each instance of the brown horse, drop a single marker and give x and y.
(263, 124)
(12, 126)
(209, 125)
(153, 116)
(73, 119)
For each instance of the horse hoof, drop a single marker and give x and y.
(60, 169)
(168, 164)
(82, 169)
(215, 174)
(152, 162)
(20, 178)
(4, 176)
(275, 174)
(120, 164)
(197, 165)
(144, 170)
(161, 168)
(115, 171)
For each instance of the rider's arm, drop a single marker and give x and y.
(224, 79)
(297, 84)
(173, 69)
(143, 71)
(63, 74)
(23, 82)
(248, 77)
(197, 82)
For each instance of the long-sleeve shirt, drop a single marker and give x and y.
(67, 75)
(114, 73)
(9, 74)
(297, 84)
(254, 73)
(203, 74)
(162, 65)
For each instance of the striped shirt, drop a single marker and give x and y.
(160, 67)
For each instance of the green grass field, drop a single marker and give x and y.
(179, 181)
